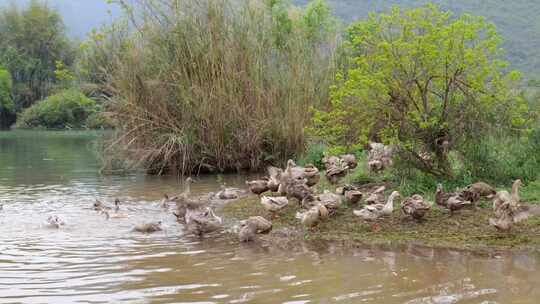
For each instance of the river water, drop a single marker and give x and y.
(94, 260)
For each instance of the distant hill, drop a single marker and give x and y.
(518, 21)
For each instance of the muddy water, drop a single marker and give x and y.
(92, 260)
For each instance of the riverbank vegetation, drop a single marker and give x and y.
(68, 109)
(221, 85)
(38, 69)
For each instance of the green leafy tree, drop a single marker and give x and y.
(32, 41)
(423, 81)
(7, 107)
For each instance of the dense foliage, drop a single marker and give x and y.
(425, 82)
(32, 42)
(7, 107)
(217, 85)
(67, 109)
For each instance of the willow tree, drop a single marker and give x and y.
(423, 81)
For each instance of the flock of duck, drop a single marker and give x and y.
(295, 182)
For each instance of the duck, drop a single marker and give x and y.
(341, 190)
(274, 204)
(312, 217)
(165, 202)
(116, 204)
(262, 225)
(115, 215)
(311, 174)
(184, 202)
(377, 196)
(202, 220)
(379, 157)
(227, 193)
(375, 211)
(504, 219)
(274, 176)
(180, 212)
(99, 205)
(456, 202)
(353, 196)
(187, 189)
(482, 189)
(248, 231)
(350, 160)
(334, 172)
(450, 201)
(54, 221)
(292, 175)
(470, 195)
(415, 206)
(503, 196)
(148, 227)
(258, 186)
(330, 200)
(298, 189)
(375, 165)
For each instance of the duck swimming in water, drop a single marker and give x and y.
(148, 227)
(202, 220)
(228, 193)
(54, 221)
(248, 231)
(258, 186)
(165, 202)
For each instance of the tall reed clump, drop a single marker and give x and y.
(219, 85)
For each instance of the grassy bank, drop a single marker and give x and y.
(466, 229)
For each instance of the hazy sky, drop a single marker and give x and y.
(80, 16)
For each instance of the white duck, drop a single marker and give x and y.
(375, 211)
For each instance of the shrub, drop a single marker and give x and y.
(220, 85)
(313, 155)
(67, 109)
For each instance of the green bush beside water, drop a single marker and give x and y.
(67, 109)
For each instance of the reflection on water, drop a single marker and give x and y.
(99, 261)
